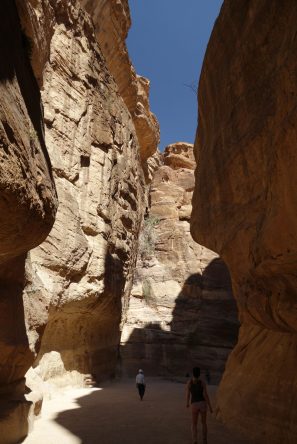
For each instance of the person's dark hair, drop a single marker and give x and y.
(196, 372)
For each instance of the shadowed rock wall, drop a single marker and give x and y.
(245, 205)
(181, 310)
(27, 209)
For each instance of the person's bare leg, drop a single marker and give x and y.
(204, 427)
(195, 414)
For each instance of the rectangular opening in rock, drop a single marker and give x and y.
(84, 161)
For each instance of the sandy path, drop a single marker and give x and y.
(114, 414)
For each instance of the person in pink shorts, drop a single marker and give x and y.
(198, 397)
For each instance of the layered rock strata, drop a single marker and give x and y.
(112, 21)
(79, 279)
(27, 209)
(245, 206)
(181, 308)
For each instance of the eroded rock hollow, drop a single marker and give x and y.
(245, 206)
(182, 312)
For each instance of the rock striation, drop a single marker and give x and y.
(28, 204)
(245, 206)
(64, 302)
(78, 281)
(181, 308)
(112, 22)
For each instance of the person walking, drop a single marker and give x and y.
(140, 384)
(198, 397)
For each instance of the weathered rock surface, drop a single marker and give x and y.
(27, 210)
(112, 21)
(181, 309)
(79, 279)
(245, 206)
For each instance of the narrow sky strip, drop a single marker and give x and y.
(167, 43)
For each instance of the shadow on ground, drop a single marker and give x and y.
(115, 415)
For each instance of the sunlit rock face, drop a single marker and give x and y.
(245, 206)
(112, 22)
(181, 310)
(28, 205)
(79, 279)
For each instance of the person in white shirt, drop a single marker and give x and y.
(140, 384)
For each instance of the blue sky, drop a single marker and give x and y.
(167, 43)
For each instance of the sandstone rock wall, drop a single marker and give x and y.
(245, 206)
(79, 279)
(28, 204)
(181, 308)
(112, 21)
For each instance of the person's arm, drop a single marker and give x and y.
(188, 394)
(206, 397)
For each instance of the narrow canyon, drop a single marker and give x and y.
(115, 255)
(182, 311)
